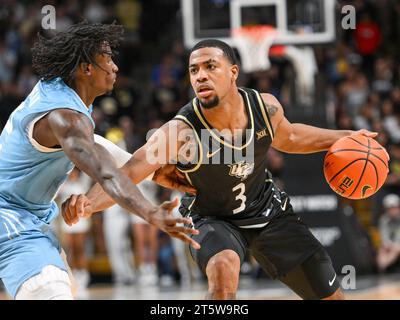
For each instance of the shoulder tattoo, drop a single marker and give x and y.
(271, 109)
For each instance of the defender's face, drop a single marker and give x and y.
(105, 72)
(211, 75)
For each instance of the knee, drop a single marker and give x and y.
(51, 284)
(225, 264)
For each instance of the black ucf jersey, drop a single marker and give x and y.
(231, 179)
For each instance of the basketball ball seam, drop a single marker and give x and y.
(377, 148)
(376, 173)
(362, 172)
(344, 168)
(356, 150)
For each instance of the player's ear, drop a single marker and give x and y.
(235, 72)
(86, 68)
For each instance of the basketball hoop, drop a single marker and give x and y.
(253, 44)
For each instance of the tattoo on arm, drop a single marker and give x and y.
(271, 109)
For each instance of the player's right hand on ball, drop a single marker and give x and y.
(163, 219)
(76, 207)
(366, 133)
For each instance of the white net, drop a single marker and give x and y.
(305, 65)
(253, 44)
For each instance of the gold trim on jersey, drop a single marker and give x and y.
(191, 205)
(265, 116)
(205, 124)
(188, 178)
(190, 181)
(184, 119)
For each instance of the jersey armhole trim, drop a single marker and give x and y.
(185, 120)
(32, 140)
(31, 124)
(265, 114)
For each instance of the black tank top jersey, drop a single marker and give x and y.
(242, 191)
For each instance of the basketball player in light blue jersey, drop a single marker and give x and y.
(49, 133)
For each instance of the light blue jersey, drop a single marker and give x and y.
(30, 176)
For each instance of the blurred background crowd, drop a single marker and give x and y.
(358, 84)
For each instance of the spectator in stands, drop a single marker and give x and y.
(8, 60)
(145, 239)
(392, 183)
(382, 83)
(344, 121)
(129, 13)
(389, 227)
(131, 138)
(166, 70)
(75, 236)
(395, 97)
(26, 80)
(116, 222)
(367, 37)
(354, 91)
(167, 97)
(390, 121)
(95, 12)
(365, 117)
(188, 271)
(145, 236)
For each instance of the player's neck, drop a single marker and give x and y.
(228, 114)
(84, 92)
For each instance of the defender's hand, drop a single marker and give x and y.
(163, 219)
(75, 207)
(170, 177)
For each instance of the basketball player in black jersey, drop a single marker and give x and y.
(234, 204)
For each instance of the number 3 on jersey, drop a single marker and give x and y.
(241, 197)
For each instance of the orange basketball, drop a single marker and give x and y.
(356, 167)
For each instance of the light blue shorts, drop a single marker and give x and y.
(26, 255)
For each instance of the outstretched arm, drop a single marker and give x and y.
(162, 148)
(74, 133)
(299, 137)
(135, 168)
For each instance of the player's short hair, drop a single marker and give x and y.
(60, 55)
(229, 53)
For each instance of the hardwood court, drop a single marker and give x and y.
(368, 288)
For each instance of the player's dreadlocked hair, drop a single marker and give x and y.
(61, 55)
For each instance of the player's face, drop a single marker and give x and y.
(211, 75)
(105, 73)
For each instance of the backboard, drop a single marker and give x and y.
(297, 21)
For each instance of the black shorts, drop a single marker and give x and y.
(284, 248)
